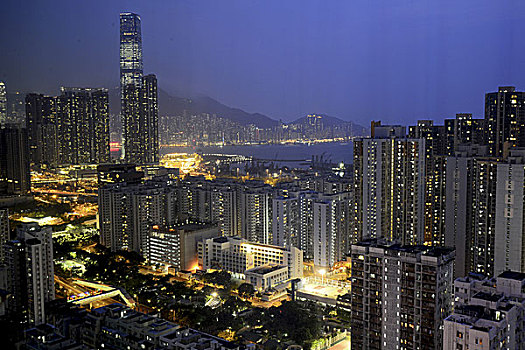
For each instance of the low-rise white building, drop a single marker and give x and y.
(489, 313)
(238, 255)
(263, 278)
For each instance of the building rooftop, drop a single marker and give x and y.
(513, 275)
(425, 250)
(488, 296)
(266, 269)
(222, 239)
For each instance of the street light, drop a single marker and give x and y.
(322, 272)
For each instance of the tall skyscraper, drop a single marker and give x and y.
(509, 250)
(130, 50)
(471, 209)
(83, 126)
(400, 295)
(29, 261)
(34, 119)
(140, 121)
(138, 93)
(389, 188)
(3, 104)
(41, 124)
(150, 109)
(15, 176)
(4, 231)
(504, 120)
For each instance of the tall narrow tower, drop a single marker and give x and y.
(130, 50)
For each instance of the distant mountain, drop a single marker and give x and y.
(328, 121)
(173, 105)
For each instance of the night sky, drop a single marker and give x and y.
(359, 60)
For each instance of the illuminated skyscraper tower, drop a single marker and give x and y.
(140, 121)
(130, 50)
(138, 95)
(3, 103)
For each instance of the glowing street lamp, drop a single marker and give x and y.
(322, 272)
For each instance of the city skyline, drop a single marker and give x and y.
(428, 51)
(218, 229)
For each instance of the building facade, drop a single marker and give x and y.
(400, 295)
(140, 121)
(389, 189)
(130, 50)
(83, 126)
(15, 178)
(237, 255)
(488, 313)
(509, 237)
(471, 209)
(127, 212)
(3, 103)
(504, 120)
(176, 246)
(29, 261)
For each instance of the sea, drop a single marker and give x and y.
(334, 152)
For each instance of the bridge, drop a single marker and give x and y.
(98, 292)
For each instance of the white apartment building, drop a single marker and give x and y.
(488, 313)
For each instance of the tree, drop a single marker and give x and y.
(246, 290)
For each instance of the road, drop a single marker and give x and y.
(73, 288)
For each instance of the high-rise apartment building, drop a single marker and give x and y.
(504, 120)
(400, 295)
(435, 148)
(463, 130)
(471, 209)
(316, 223)
(256, 214)
(127, 212)
(42, 129)
(3, 103)
(210, 201)
(4, 231)
(488, 313)
(130, 50)
(31, 278)
(150, 110)
(83, 126)
(509, 241)
(389, 189)
(72, 128)
(15, 177)
(140, 121)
